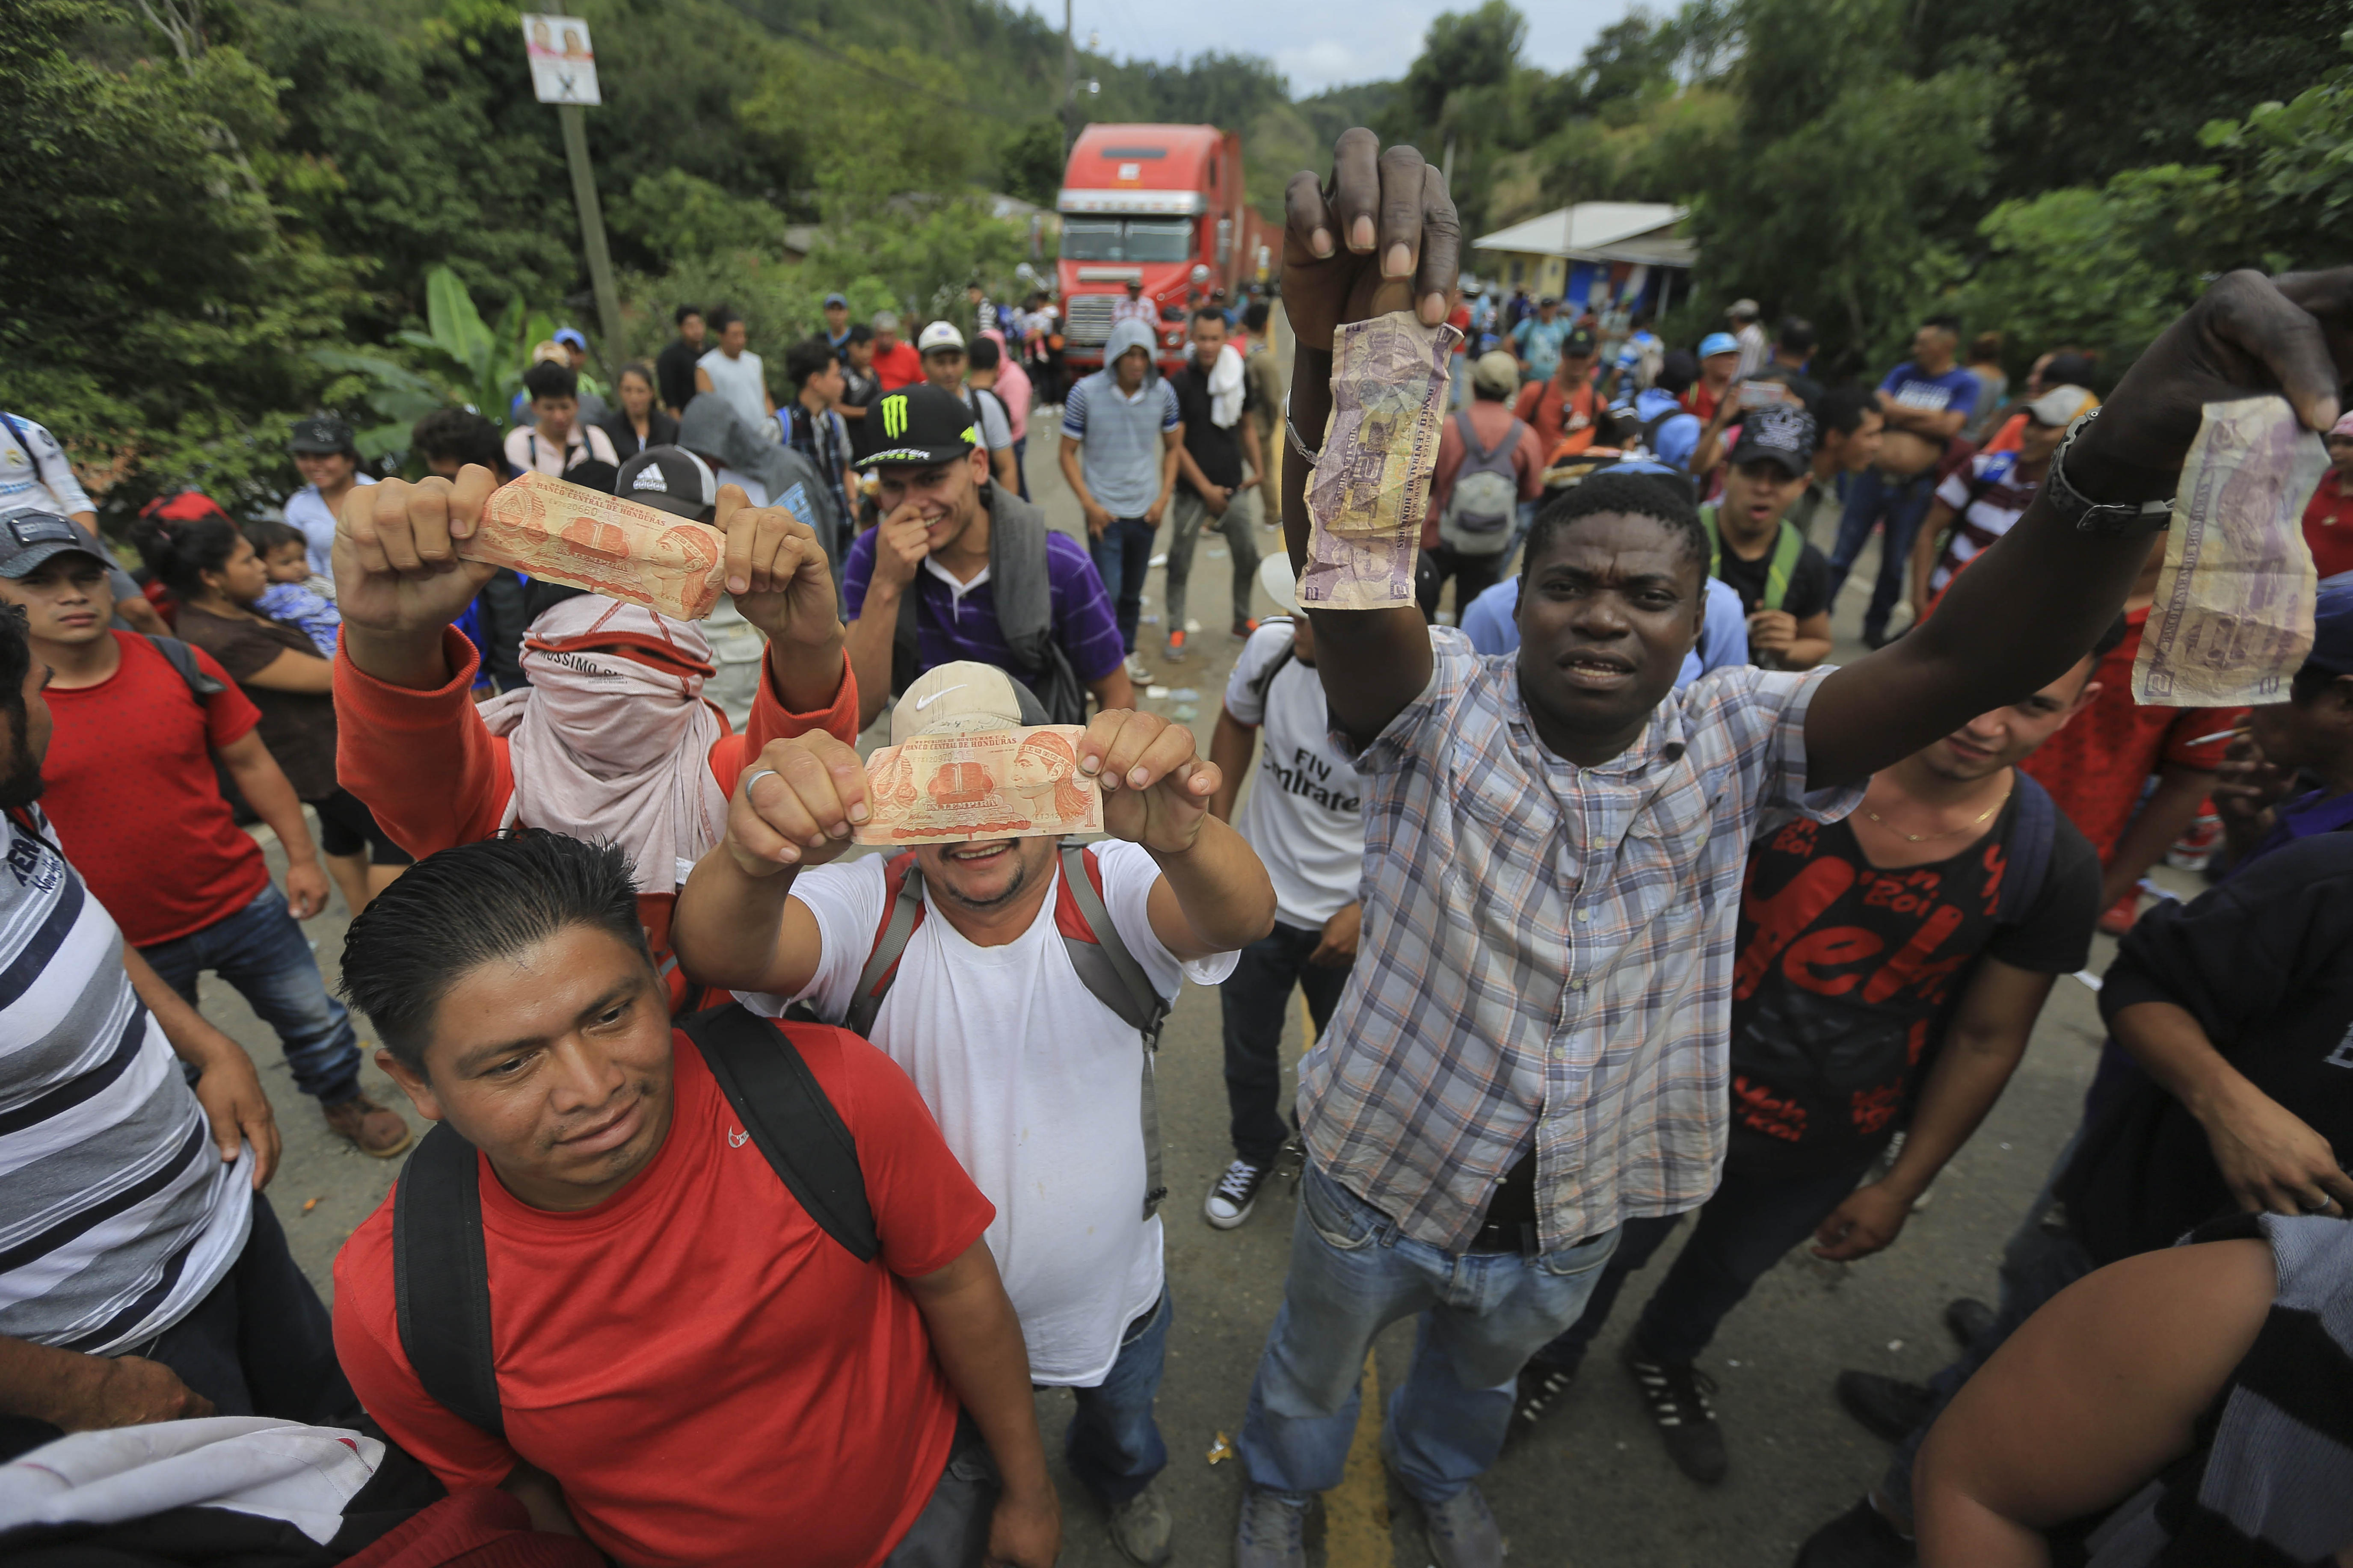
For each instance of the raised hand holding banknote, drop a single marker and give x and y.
(797, 805)
(1380, 236)
(1155, 784)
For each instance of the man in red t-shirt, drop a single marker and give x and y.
(2329, 515)
(689, 1369)
(138, 809)
(1561, 410)
(896, 362)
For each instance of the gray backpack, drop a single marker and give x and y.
(1485, 502)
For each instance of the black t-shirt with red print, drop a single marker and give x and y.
(1846, 975)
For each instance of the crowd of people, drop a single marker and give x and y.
(1610, 900)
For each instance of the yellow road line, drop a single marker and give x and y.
(1357, 1513)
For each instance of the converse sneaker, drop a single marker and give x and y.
(1676, 1395)
(1230, 1201)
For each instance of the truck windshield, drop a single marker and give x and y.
(1129, 240)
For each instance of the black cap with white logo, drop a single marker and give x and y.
(30, 539)
(1781, 431)
(672, 478)
(920, 425)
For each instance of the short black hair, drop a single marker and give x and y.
(679, 316)
(859, 333)
(179, 551)
(1797, 334)
(722, 319)
(1254, 315)
(808, 357)
(459, 433)
(1944, 324)
(1209, 313)
(1641, 495)
(640, 369)
(267, 533)
(549, 379)
(984, 354)
(1842, 408)
(457, 910)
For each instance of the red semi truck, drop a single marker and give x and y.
(1161, 204)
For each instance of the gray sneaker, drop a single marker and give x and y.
(1140, 1528)
(1462, 1532)
(1272, 1533)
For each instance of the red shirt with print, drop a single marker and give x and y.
(2096, 766)
(1563, 421)
(2328, 525)
(137, 806)
(713, 1378)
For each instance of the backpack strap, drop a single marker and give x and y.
(2030, 849)
(1714, 541)
(903, 894)
(786, 1111)
(1787, 548)
(441, 1279)
(1112, 975)
(183, 657)
(1264, 680)
(1480, 454)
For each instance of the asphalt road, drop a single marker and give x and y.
(1593, 1485)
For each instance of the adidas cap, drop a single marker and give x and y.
(672, 478)
(919, 425)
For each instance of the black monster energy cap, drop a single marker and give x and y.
(920, 425)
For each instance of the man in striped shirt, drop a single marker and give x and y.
(138, 1258)
(1533, 1050)
(1983, 501)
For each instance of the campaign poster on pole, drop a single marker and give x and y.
(563, 64)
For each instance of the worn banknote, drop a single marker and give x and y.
(1370, 490)
(1000, 783)
(2233, 619)
(564, 533)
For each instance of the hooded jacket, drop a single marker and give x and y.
(712, 430)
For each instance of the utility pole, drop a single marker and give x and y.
(1070, 81)
(592, 228)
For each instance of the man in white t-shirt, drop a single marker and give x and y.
(1306, 818)
(1040, 1088)
(735, 373)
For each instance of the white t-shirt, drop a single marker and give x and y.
(1038, 1088)
(1304, 811)
(530, 451)
(988, 407)
(306, 509)
(742, 381)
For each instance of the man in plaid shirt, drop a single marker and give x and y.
(1534, 1047)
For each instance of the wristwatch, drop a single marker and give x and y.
(2117, 518)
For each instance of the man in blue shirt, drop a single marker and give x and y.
(1925, 402)
(1536, 341)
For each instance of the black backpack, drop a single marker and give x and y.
(441, 1274)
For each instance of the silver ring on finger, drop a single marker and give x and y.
(756, 777)
(2325, 1205)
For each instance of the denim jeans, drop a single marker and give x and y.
(1875, 498)
(952, 1530)
(261, 950)
(2041, 1258)
(1480, 1315)
(1123, 554)
(1253, 999)
(1113, 1445)
(1742, 1232)
(1189, 514)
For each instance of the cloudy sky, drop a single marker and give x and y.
(1318, 43)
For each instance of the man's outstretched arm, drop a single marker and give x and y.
(2018, 617)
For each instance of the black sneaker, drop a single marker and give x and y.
(1890, 1406)
(1859, 1538)
(1676, 1396)
(1967, 1318)
(1230, 1201)
(1542, 1388)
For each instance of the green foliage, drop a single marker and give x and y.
(1463, 50)
(485, 361)
(674, 215)
(1031, 161)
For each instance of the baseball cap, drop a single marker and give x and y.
(321, 434)
(671, 478)
(2342, 428)
(1578, 342)
(2059, 406)
(572, 338)
(1547, 299)
(1742, 311)
(964, 697)
(1718, 343)
(30, 539)
(833, 300)
(1781, 431)
(939, 335)
(2332, 625)
(921, 424)
(1282, 586)
(1494, 372)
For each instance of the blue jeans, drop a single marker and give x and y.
(1743, 1231)
(1353, 1273)
(2042, 1258)
(1871, 499)
(1253, 999)
(262, 951)
(1113, 1445)
(1123, 556)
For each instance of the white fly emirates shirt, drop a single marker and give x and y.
(1304, 811)
(1038, 1088)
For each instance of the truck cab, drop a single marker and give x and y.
(1160, 205)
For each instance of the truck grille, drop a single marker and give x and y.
(1087, 320)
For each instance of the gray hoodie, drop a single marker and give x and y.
(712, 430)
(1120, 450)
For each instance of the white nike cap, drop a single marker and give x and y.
(967, 697)
(939, 335)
